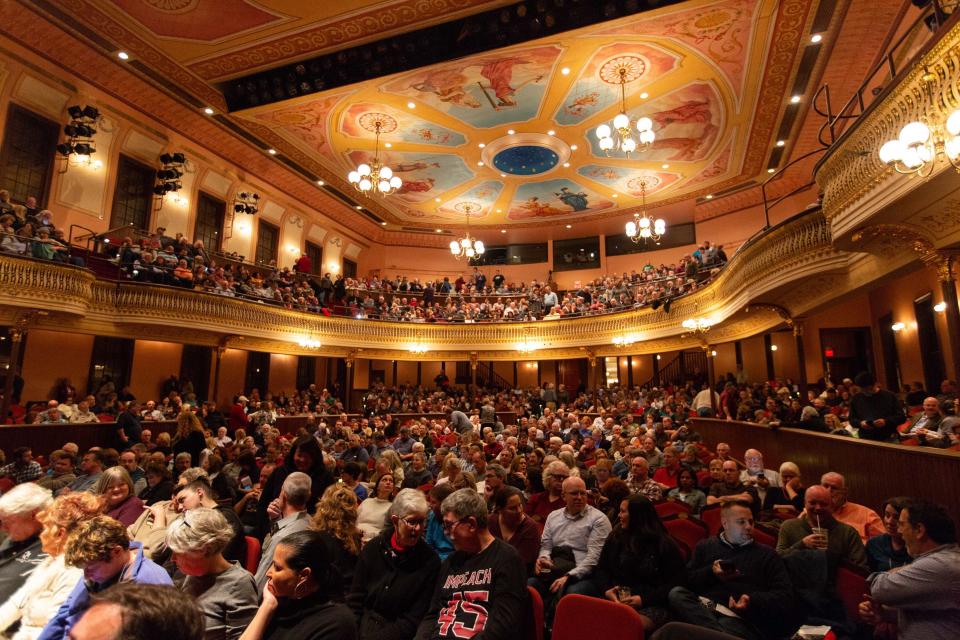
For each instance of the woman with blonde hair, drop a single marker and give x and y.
(224, 591)
(51, 581)
(450, 470)
(336, 520)
(121, 503)
(392, 459)
(567, 458)
(189, 437)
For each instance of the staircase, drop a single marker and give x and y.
(486, 376)
(687, 365)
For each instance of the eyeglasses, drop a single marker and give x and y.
(558, 476)
(450, 526)
(414, 524)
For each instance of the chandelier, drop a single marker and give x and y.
(375, 176)
(624, 341)
(698, 325)
(467, 246)
(418, 347)
(528, 344)
(928, 138)
(643, 226)
(620, 137)
(309, 343)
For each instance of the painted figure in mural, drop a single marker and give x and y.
(577, 201)
(450, 86)
(406, 167)
(411, 186)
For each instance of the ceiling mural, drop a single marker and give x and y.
(508, 136)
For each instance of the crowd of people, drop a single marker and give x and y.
(369, 527)
(27, 230)
(468, 297)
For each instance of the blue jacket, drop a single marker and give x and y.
(143, 571)
(435, 536)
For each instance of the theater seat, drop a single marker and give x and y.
(764, 537)
(711, 515)
(687, 530)
(671, 507)
(851, 589)
(253, 554)
(580, 617)
(534, 622)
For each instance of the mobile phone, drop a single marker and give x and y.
(246, 483)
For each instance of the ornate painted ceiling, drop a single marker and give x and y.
(507, 136)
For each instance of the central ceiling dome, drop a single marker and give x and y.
(526, 160)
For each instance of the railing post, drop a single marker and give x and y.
(801, 360)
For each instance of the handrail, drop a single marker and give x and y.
(941, 20)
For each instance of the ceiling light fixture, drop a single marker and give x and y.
(780, 143)
(375, 176)
(551, 132)
(123, 55)
(932, 135)
(698, 325)
(816, 38)
(272, 152)
(622, 126)
(573, 147)
(565, 71)
(467, 246)
(795, 99)
(510, 132)
(320, 182)
(643, 227)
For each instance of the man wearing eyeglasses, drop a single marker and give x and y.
(540, 505)
(579, 529)
(480, 591)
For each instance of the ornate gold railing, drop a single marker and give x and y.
(783, 254)
(855, 183)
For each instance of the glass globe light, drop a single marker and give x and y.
(953, 123)
(383, 186)
(469, 252)
(891, 151)
(455, 247)
(631, 228)
(629, 145)
(396, 182)
(364, 169)
(603, 131)
(606, 144)
(464, 242)
(365, 184)
(386, 172)
(478, 246)
(645, 233)
(911, 158)
(621, 121)
(659, 226)
(353, 177)
(647, 137)
(914, 134)
(644, 223)
(952, 147)
(644, 124)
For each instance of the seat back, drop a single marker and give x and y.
(581, 617)
(534, 622)
(851, 589)
(252, 560)
(710, 514)
(764, 537)
(689, 531)
(671, 507)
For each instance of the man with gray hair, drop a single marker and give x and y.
(480, 591)
(289, 515)
(21, 552)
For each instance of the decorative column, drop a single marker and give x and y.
(474, 363)
(17, 333)
(948, 288)
(711, 377)
(801, 360)
(592, 375)
(630, 372)
(348, 391)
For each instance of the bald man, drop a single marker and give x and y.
(864, 519)
(817, 529)
(753, 460)
(582, 528)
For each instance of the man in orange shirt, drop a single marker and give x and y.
(863, 519)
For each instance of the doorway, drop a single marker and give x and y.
(845, 352)
(931, 353)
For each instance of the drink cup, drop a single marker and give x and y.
(822, 534)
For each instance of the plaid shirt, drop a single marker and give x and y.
(648, 488)
(19, 474)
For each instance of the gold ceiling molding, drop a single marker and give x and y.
(785, 255)
(852, 171)
(886, 239)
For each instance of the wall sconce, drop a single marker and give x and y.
(773, 347)
(658, 356)
(898, 326)
(244, 227)
(333, 267)
(294, 250)
(713, 354)
(940, 307)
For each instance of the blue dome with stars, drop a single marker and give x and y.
(526, 160)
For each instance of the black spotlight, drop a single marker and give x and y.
(64, 149)
(86, 131)
(666, 305)
(71, 130)
(75, 112)
(159, 190)
(84, 148)
(91, 112)
(238, 208)
(166, 158)
(179, 158)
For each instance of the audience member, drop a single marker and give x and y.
(687, 492)
(336, 521)
(863, 519)
(23, 468)
(888, 550)
(371, 517)
(121, 503)
(436, 537)
(289, 515)
(388, 597)
(22, 547)
(196, 494)
(509, 523)
(874, 411)
(142, 611)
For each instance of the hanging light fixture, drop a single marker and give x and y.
(621, 136)
(643, 226)
(375, 176)
(467, 246)
(931, 136)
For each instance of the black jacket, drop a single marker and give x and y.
(871, 407)
(391, 591)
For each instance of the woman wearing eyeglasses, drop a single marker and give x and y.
(394, 577)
